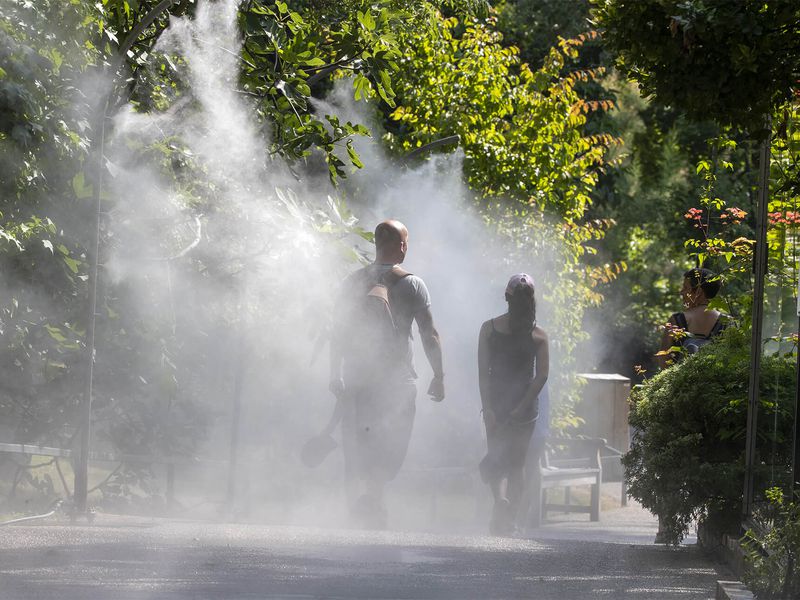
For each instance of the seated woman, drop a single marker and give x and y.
(697, 324)
(513, 365)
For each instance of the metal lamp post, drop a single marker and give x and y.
(796, 432)
(85, 412)
(760, 271)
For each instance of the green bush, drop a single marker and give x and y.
(772, 570)
(687, 457)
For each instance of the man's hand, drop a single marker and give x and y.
(433, 352)
(336, 387)
(436, 388)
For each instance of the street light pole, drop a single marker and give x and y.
(795, 484)
(85, 413)
(760, 271)
(82, 468)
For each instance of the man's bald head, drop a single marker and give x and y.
(391, 242)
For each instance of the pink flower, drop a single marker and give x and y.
(694, 214)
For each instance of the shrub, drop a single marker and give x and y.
(687, 457)
(772, 570)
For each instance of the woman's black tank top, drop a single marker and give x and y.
(512, 360)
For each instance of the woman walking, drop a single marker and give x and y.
(513, 364)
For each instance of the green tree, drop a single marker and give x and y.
(527, 158)
(657, 174)
(651, 173)
(535, 26)
(731, 62)
(43, 141)
(58, 89)
(521, 130)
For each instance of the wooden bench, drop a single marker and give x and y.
(565, 463)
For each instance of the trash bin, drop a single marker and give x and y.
(604, 410)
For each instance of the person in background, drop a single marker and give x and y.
(691, 329)
(372, 370)
(513, 366)
(697, 324)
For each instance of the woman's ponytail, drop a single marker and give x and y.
(521, 311)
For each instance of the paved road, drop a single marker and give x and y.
(143, 560)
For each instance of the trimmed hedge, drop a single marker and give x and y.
(687, 457)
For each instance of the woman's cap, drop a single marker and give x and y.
(517, 281)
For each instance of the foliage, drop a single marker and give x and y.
(722, 234)
(687, 457)
(535, 26)
(283, 52)
(42, 143)
(289, 53)
(732, 62)
(771, 570)
(723, 62)
(145, 386)
(653, 175)
(520, 129)
(131, 489)
(783, 210)
(527, 157)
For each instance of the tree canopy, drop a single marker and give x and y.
(732, 62)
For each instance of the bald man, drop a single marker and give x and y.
(378, 388)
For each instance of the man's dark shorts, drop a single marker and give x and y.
(376, 427)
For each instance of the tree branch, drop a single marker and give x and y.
(139, 28)
(451, 139)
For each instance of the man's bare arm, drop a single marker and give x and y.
(433, 352)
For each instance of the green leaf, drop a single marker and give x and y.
(366, 20)
(718, 304)
(384, 95)
(354, 158)
(72, 264)
(361, 86)
(302, 88)
(55, 333)
(80, 187)
(57, 58)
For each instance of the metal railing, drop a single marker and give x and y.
(169, 462)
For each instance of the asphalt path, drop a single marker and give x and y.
(126, 559)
